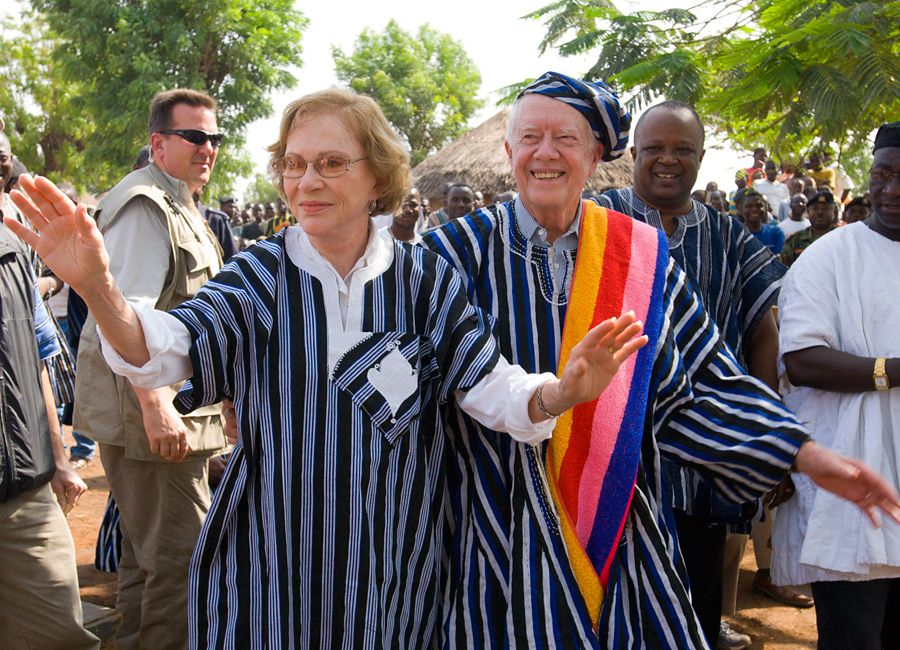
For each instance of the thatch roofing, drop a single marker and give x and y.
(479, 159)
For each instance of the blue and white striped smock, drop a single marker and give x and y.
(326, 529)
(510, 584)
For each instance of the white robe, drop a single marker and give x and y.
(843, 293)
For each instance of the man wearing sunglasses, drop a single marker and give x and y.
(161, 252)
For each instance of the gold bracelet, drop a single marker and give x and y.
(540, 401)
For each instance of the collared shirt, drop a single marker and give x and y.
(537, 235)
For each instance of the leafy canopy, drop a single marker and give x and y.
(425, 83)
(787, 74)
(114, 55)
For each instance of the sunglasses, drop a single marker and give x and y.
(196, 136)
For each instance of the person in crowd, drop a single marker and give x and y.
(769, 186)
(525, 562)
(479, 200)
(218, 223)
(160, 253)
(39, 581)
(741, 178)
(858, 209)
(843, 184)
(228, 205)
(253, 229)
(822, 220)
(756, 217)
(712, 186)
(737, 281)
(797, 220)
(824, 176)
(359, 526)
(460, 201)
(718, 201)
(841, 356)
(407, 220)
(440, 215)
(795, 187)
(277, 221)
(760, 157)
(505, 197)
(143, 158)
(700, 196)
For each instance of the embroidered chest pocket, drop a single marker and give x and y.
(387, 375)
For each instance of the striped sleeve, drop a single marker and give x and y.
(227, 319)
(710, 414)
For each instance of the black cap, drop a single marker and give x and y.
(888, 136)
(822, 196)
(227, 199)
(859, 200)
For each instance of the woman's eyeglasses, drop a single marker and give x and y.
(196, 136)
(325, 166)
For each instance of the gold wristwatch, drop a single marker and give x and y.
(879, 376)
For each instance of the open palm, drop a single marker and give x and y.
(67, 239)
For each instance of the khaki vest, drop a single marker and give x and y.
(106, 407)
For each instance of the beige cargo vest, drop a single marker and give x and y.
(106, 407)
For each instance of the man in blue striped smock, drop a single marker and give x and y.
(511, 583)
(736, 278)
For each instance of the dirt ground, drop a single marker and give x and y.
(771, 625)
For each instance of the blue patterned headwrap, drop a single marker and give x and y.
(596, 101)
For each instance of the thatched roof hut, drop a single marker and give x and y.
(479, 159)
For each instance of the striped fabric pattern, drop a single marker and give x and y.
(593, 456)
(737, 279)
(609, 119)
(326, 529)
(510, 582)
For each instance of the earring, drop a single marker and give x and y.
(372, 205)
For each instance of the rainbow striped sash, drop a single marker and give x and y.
(593, 457)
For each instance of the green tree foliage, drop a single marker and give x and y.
(260, 190)
(425, 83)
(787, 74)
(45, 130)
(117, 54)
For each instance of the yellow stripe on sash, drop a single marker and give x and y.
(579, 317)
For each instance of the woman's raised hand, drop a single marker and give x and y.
(67, 238)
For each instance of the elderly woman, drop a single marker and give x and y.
(337, 348)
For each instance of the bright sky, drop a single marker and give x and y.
(504, 48)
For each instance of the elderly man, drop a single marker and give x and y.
(161, 253)
(570, 544)
(841, 354)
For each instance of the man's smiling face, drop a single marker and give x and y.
(553, 152)
(667, 151)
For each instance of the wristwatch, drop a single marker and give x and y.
(879, 376)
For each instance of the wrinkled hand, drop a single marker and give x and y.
(166, 432)
(779, 494)
(67, 239)
(594, 362)
(230, 418)
(67, 486)
(849, 478)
